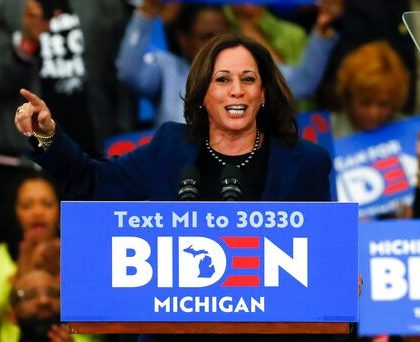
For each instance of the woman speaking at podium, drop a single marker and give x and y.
(239, 112)
(240, 142)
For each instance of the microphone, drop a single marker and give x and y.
(230, 180)
(189, 182)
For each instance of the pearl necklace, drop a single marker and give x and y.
(246, 161)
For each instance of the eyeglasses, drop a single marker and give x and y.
(31, 294)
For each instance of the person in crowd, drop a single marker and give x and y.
(158, 75)
(35, 311)
(368, 21)
(285, 40)
(239, 112)
(161, 75)
(61, 49)
(34, 215)
(372, 83)
(37, 210)
(36, 267)
(35, 308)
(35, 204)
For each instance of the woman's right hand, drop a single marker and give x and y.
(328, 12)
(34, 116)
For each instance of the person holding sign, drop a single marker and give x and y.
(373, 85)
(239, 111)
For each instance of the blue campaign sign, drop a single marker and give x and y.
(377, 169)
(389, 253)
(209, 261)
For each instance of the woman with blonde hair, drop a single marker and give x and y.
(373, 84)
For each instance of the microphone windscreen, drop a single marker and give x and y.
(230, 172)
(190, 172)
(230, 181)
(189, 183)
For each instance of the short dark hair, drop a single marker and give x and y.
(278, 115)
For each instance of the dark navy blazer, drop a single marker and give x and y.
(152, 172)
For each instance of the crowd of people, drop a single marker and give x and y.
(220, 83)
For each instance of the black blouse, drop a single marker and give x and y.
(252, 175)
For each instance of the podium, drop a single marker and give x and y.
(209, 267)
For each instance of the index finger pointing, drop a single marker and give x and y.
(31, 97)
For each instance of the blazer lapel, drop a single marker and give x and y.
(181, 154)
(282, 171)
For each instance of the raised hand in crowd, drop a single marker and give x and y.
(167, 11)
(150, 8)
(248, 18)
(46, 255)
(26, 250)
(39, 255)
(328, 12)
